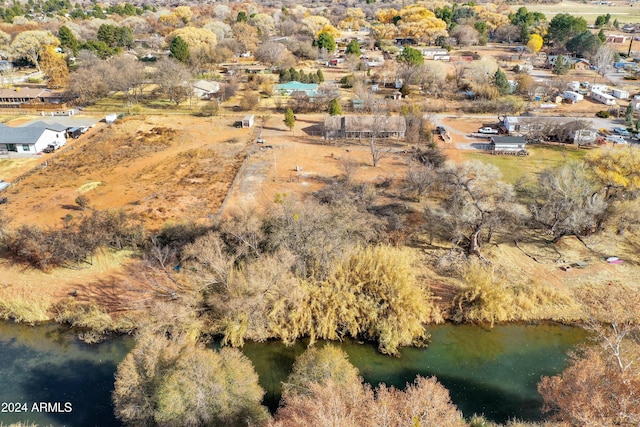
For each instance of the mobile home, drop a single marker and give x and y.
(573, 96)
(620, 94)
(603, 98)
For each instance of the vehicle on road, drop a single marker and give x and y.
(621, 132)
(441, 130)
(488, 129)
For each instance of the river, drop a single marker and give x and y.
(487, 371)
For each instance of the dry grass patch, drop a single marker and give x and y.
(23, 306)
(487, 296)
(96, 322)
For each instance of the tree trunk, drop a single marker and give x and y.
(474, 242)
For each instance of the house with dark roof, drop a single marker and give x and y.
(31, 139)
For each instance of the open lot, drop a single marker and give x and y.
(159, 169)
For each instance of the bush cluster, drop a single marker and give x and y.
(75, 243)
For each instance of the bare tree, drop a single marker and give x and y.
(173, 79)
(566, 200)
(350, 166)
(475, 200)
(603, 59)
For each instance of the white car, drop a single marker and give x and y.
(616, 139)
(488, 130)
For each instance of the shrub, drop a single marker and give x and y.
(603, 114)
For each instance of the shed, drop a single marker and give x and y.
(508, 145)
(247, 121)
(110, 118)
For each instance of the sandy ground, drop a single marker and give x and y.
(155, 168)
(301, 162)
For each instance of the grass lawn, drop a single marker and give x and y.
(621, 11)
(10, 169)
(540, 157)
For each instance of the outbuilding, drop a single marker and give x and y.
(508, 145)
(247, 121)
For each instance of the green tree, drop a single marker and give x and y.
(561, 66)
(242, 16)
(353, 48)
(289, 118)
(602, 36)
(411, 56)
(629, 115)
(326, 41)
(584, 44)
(563, 27)
(68, 39)
(180, 50)
(334, 107)
(320, 75)
(501, 83)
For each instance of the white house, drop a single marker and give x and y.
(205, 89)
(31, 139)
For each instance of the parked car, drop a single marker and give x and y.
(621, 132)
(488, 129)
(441, 130)
(49, 148)
(616, 139)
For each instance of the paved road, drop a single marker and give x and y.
(21, 79)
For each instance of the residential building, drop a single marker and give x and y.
(295, 88)
(31, 139)
(205, 89)
(352, 127)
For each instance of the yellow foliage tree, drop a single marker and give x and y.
(384, 31)
(418, 22)
(355, 19)
(617, 170)
(491, 18)
(535, 43)
(54, 66)
(196, 38)
(385, 16)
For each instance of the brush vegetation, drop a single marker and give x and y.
(94, 322)
(487, 296)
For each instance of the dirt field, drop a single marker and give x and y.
(162, 170)
(300, 163)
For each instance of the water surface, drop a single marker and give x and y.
(493, 372)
